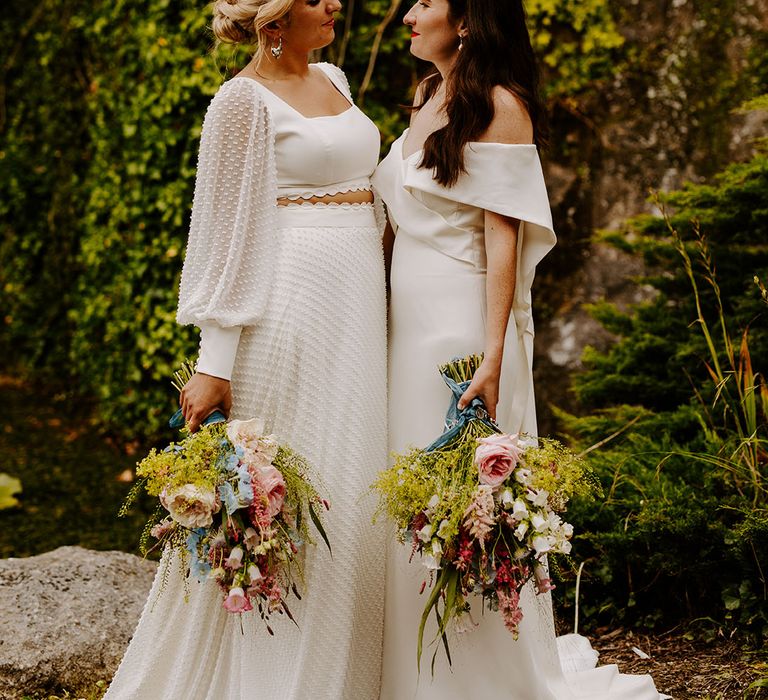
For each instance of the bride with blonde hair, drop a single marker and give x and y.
(284, 276)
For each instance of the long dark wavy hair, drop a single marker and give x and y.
(496, 51)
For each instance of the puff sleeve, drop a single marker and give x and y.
(225, 280)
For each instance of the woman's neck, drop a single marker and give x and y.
(291, 65)
(445, 66)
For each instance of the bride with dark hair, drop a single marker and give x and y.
(469, 220)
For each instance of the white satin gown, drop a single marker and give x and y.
(437, 312)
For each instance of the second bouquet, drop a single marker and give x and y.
(482, 510)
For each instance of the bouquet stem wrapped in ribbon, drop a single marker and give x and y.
(236, 505)
(481, 509)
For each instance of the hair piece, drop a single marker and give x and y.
(496, 51)
(244, 21)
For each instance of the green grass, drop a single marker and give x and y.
(69, 474)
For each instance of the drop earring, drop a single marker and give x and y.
(277, 49)
(461, 42)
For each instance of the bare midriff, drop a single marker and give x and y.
(356, 197)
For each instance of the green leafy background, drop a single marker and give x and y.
(101, 105)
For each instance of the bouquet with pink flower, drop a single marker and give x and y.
(482, 510)
(236, 504)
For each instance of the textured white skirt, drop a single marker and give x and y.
(315, 369)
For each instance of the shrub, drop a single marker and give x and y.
(683, 532)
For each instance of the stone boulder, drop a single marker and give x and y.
(66, 618)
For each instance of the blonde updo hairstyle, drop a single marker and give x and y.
(244, 21)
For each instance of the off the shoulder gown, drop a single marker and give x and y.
(438, 311)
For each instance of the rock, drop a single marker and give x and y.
(67, 617)
(606, 273)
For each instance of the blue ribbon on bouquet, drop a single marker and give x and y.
(177, 419)
(456, 419)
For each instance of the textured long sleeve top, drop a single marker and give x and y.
(254, 147)
(225, 279)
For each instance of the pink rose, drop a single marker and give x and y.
(273, 486)
(237, 601)
(496, 457)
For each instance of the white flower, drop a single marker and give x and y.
(437, 547)
(432, 503)
(520, 530)
(541, 544)
(567, 530)
(190, 505)
(250, 538)
(554, 521)
(563, 546)
(527, 441)
(523, 476)
(538, 498)
(519, 510)
(425, 534)
(430, 562)
(507, 498)
(443, 527)
(254, 573)
(235, 558)
(539, 522)
(241, 432)
(237, 601)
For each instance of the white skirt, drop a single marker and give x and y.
(315, 369)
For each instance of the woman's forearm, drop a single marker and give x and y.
(501, 251)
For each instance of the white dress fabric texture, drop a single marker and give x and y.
(437, 312)
(301, 288)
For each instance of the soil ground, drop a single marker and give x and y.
(684, 668)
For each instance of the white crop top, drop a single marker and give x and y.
(322, 155)
(255, 148)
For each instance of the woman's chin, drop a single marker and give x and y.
(327, 40)
(417, 54)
